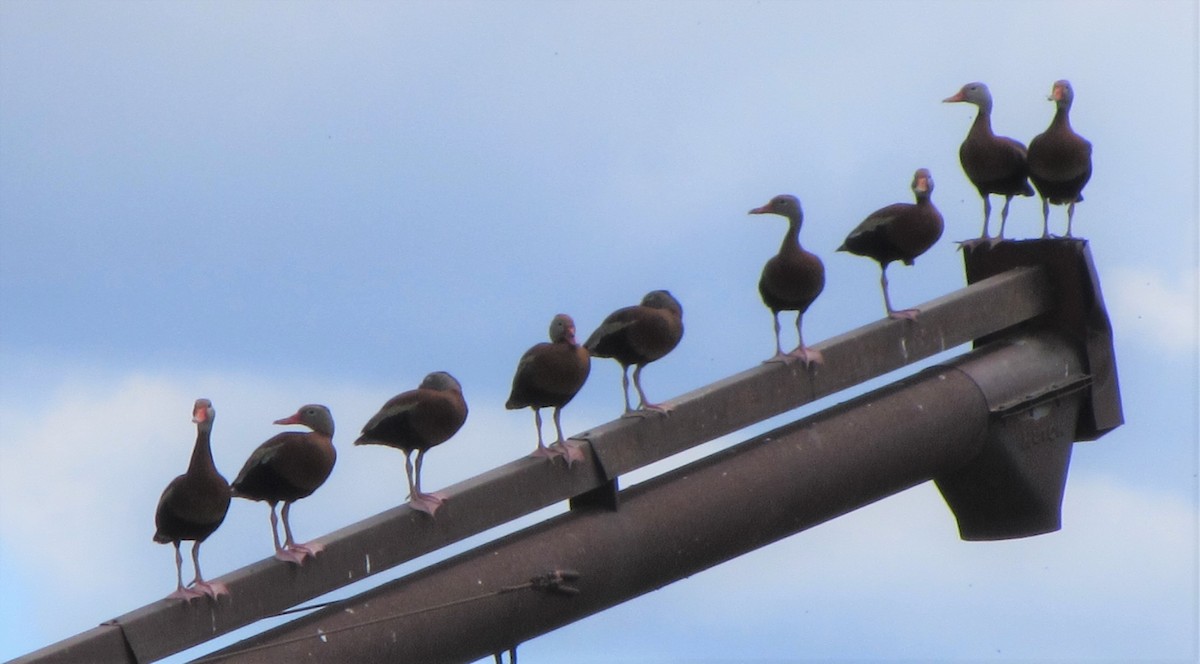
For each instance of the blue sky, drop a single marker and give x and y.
(271, 204)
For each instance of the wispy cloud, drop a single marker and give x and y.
(81, 474)
(892, 581)
(1157, 307)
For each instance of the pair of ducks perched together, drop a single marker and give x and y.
(1058, 161)
(292, 465)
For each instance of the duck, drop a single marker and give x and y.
(994, 164)
(549, 375)
(287, 467)
(792, 279)
(193, 506)
(1060, 160)
(417, 421)
(638, 335)
(899, 232)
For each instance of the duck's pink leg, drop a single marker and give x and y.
(180, 591)
(297, 552)
(419, 500)
(542, 451)
(213, 589)
(560, 446)
(645, 407)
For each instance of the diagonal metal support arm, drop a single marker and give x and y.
(999, 299)
(527, 485)
(932, 425)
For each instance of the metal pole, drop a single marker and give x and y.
(932, 425)
(1029, 285)
(523, 486)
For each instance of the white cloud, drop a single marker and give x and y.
(892, 581)
(80, 476)
(1147, 305)
(81, 473)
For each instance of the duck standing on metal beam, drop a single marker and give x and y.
(287, 467)
(791, 279)
(994, 164)
(1060, 161)
(898, 232)
(639, 335)
(416, 421)
(193, 506)
(549, 375)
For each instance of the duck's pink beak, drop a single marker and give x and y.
(291, 419)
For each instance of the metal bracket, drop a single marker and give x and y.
(556, 582)
(1049, 393)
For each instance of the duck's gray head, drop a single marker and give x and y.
(922, 184)
(661, 299)
(973, 93)
(203, 413)
(785, 205)
(1062, 94)
(441, 381)
(314, 416)
(562, 328)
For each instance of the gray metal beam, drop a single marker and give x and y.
(526, 485)
(931, 425)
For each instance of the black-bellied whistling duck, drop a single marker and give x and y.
(791, 279)
(549, 375)
(290, 466)
(418, 420)
(994, 164)
(898, 232)
(639, 335)
(1060, 161)
(193, 505)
